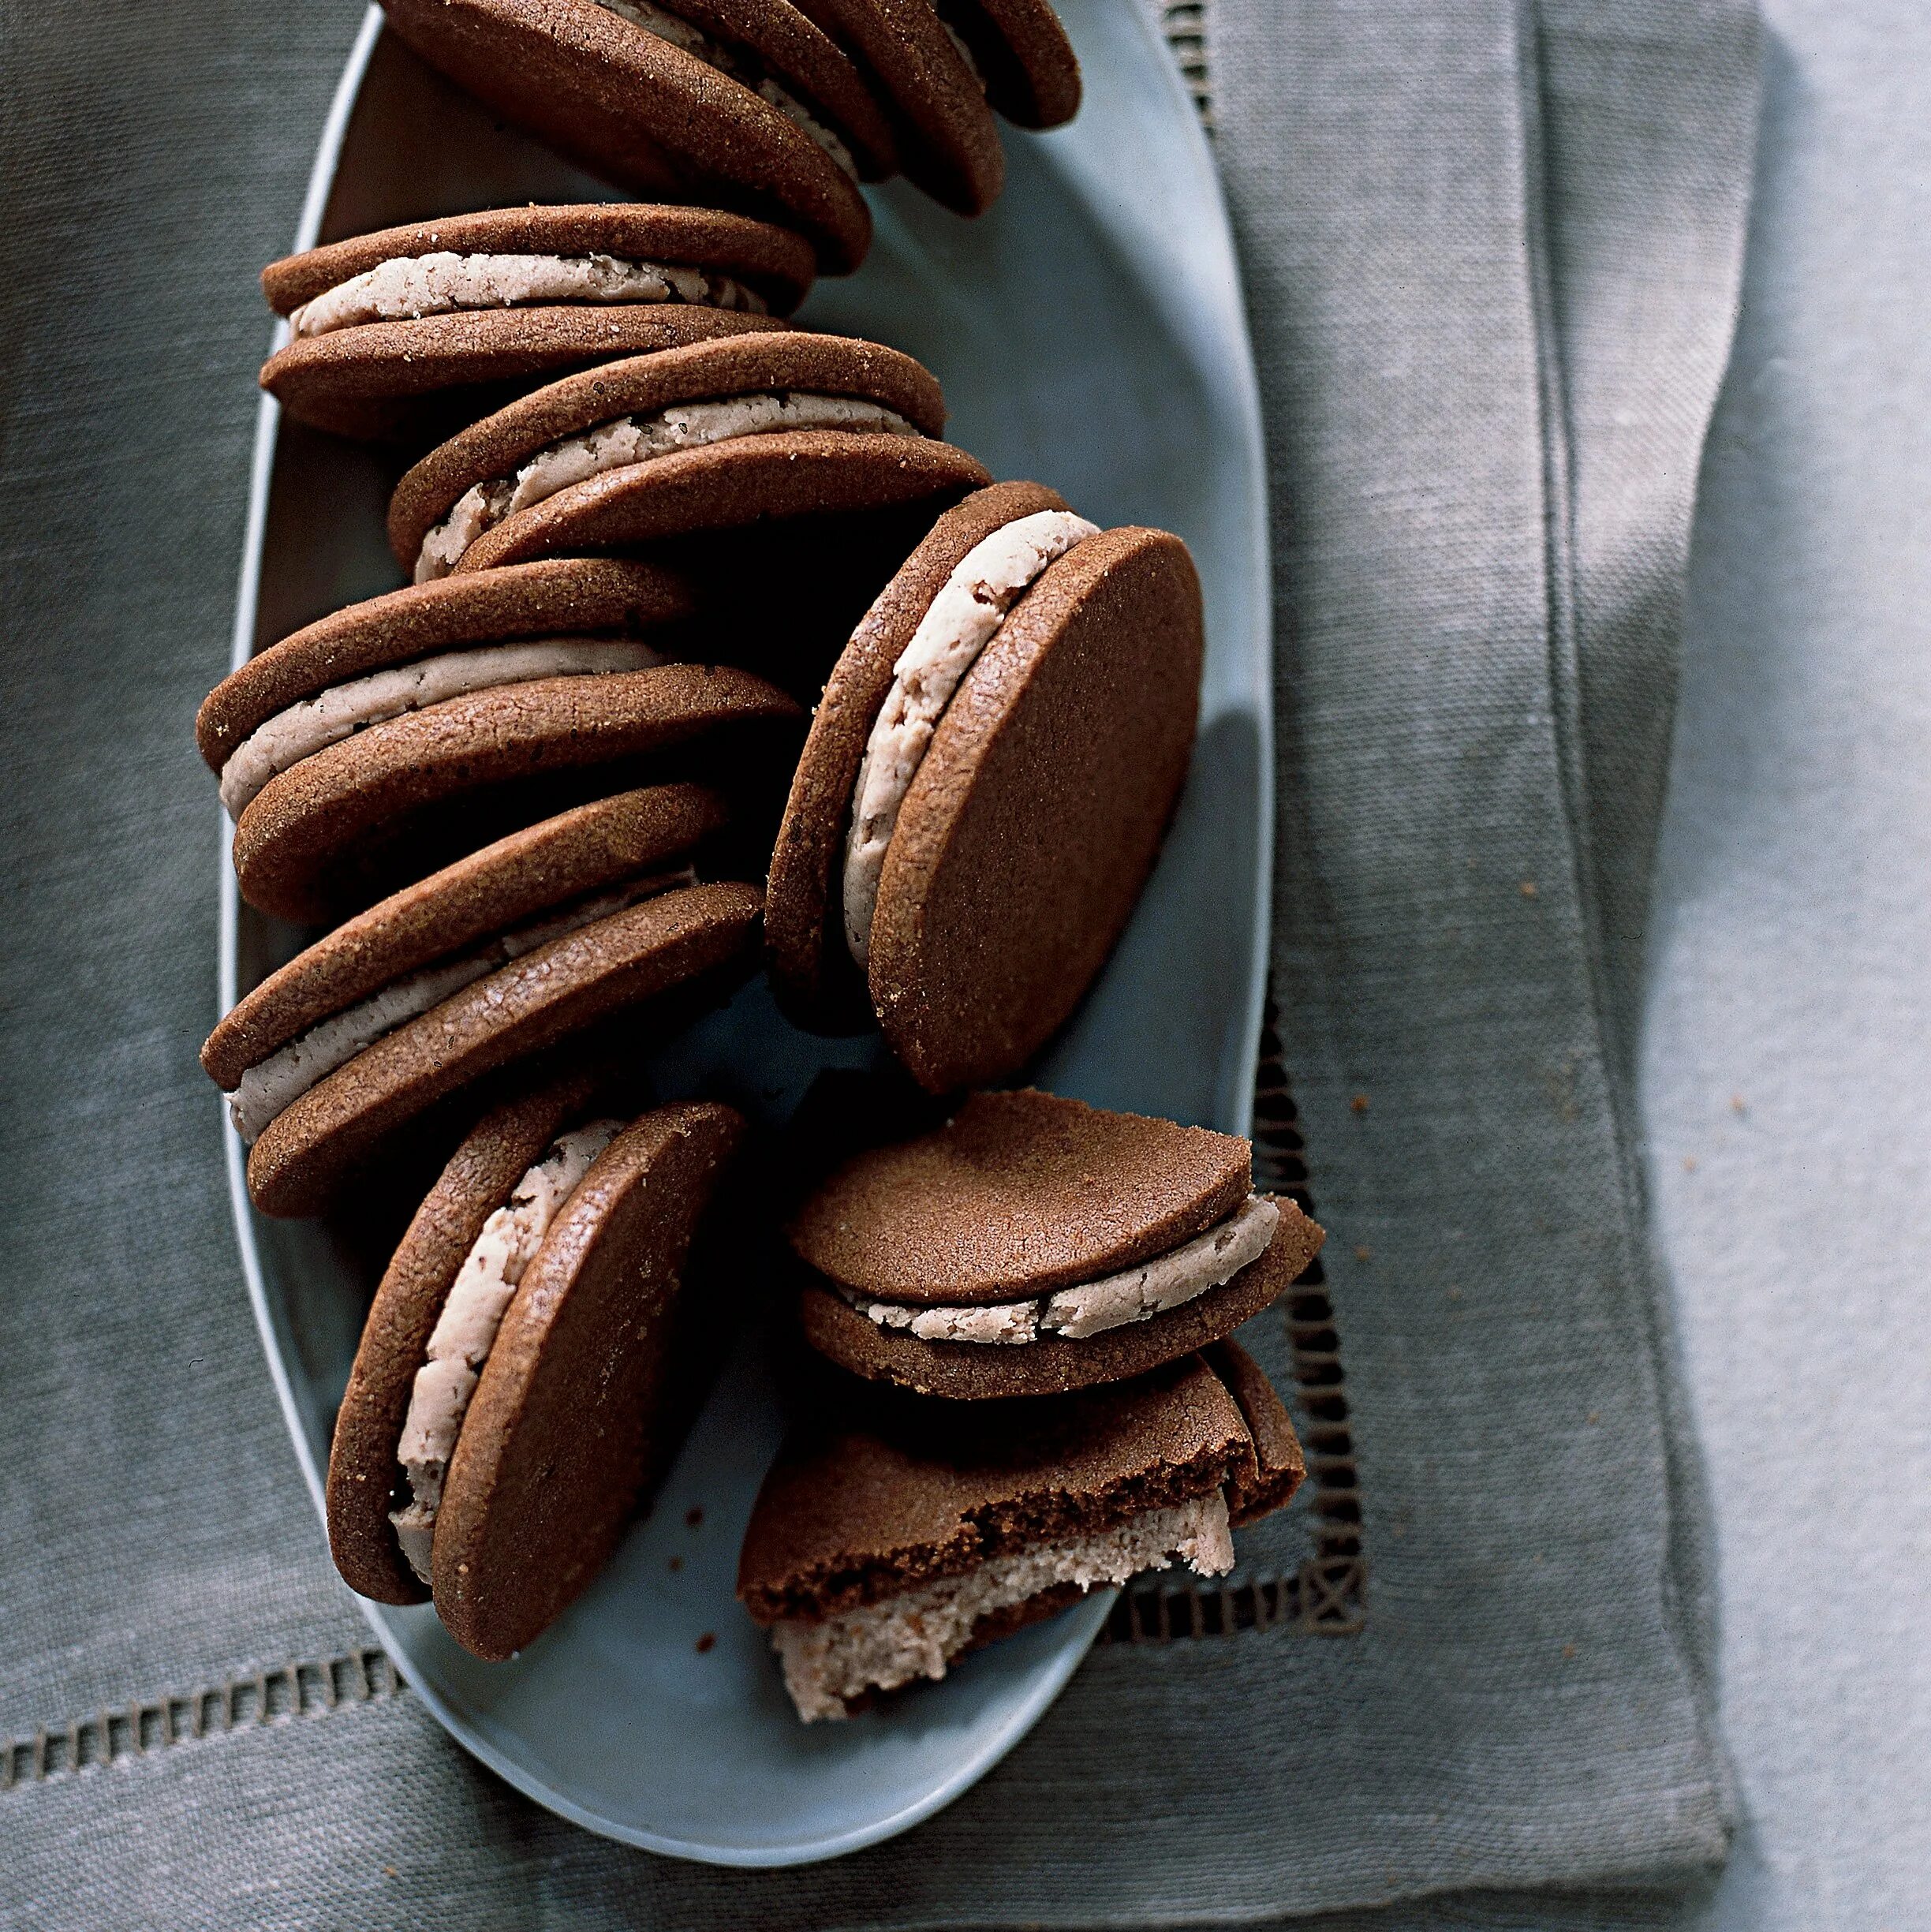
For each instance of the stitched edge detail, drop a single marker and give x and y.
(1327, 1595)
(302, 1687)
(1184, 22)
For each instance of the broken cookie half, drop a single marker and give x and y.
(894, 1535)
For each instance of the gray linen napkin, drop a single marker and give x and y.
(1492, 255)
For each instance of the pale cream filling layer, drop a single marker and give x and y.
(407, 287)
(314, 724)
(1169, 1280)
(631, 439)
(961, 621)
(694, 41)
(918, 1633)
(287, 1074)
(466, 1330)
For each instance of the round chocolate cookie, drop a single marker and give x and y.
(584, 432)
(574, 597)
(1031, 73)
(540, 1000)
(811, 968)
(394, 331)
(1032, 1243)
(1017, 1193)
(1036, 814)
(986, 784)
(775, 40)
(948, 141)
(299, 845)
(590, 850)
(573, 1417)
(362, 1469)
(655, 116)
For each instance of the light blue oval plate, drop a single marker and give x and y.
(1090, 334)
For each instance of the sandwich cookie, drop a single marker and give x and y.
(925, 70)
(387, 330)
(1022, 56)
(646, 96)
(373, 746)
(893, 1536)
(716, 435)
(390, 655)
(530, 1360)
(1033, 1244)
(986, 783)
(513, 951)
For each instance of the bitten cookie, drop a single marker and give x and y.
(892, 1535)
(1033, 1244)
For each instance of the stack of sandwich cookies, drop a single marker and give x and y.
(718, 435)
(518, 949)
(391, 330)
(891, 1537)
(986, 783)
(741, 104)
(1033, 1244)
(775, 108)
(530, 1361)
(375, 745)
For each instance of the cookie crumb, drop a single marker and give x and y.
(1527, 888)
(676, 1563)
(707, 1640)
(1359, 1104)
(692, 1518)
(1364, 1254)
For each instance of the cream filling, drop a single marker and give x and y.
(407, 287)
(918, 1634)
(631, 439)
(961, 621)
(466, 1330)
(315, 723)
(1169, 1280)
(280, 1080)
(742, 68)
